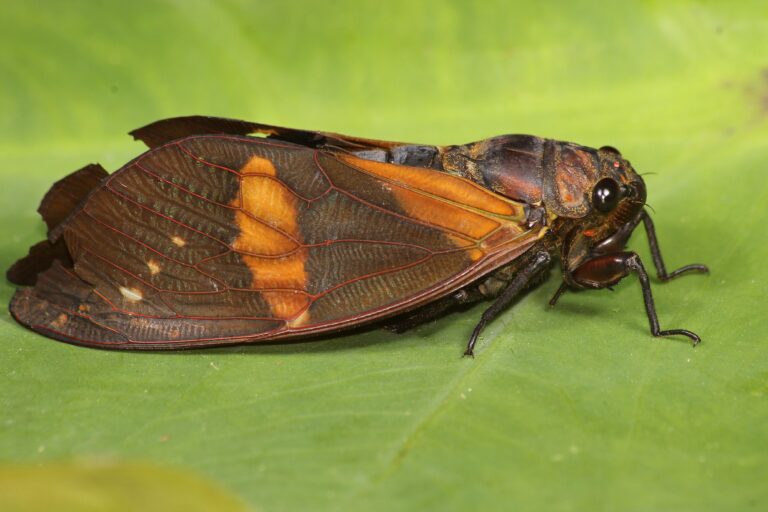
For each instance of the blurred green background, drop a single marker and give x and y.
(577, 408)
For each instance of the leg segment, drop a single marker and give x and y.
(432, 311)
(560, 291)
(605, 271)
(661, 270)
(536, 265)
(617, 243)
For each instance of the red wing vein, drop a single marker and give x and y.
(245, 212)
(184, 189)
(390, 212)
(373, 274)
(79, 315)
(166, 217)
(123, 270)
(420, 192)
(150, 248)
(225, 287)
(241, 175)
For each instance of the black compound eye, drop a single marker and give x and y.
(605, 195)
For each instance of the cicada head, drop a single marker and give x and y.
(614, 202)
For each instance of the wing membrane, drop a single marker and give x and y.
(222, 239)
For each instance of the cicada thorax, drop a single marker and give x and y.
(510, 165)
(539, 172)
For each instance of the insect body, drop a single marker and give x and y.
(233, 232)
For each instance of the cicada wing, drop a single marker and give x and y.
(60, 203)
(214, 240)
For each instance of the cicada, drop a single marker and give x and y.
(229, 232)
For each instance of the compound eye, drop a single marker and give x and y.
(605, 195)
(611, 149)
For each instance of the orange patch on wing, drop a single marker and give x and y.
(444, 215)
(60, 321)
(441, 185)
(459, 242)
(509, 234)
(258, 238)
(268, 226)
(282, 272)
(288, 306)
(475, 254)
(474, 250)
(268, 200)
(258, 165)
(300, 320)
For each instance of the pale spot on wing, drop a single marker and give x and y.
(178, 241)
(300, 320)
(154, 267)
(131, 294)
(60, 321)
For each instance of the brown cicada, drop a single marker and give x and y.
(231, 232)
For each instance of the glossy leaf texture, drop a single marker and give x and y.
(573, 408)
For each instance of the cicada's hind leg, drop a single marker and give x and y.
(532, 269)
(433, 310)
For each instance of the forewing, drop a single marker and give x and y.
(167, 130)
(223, 239)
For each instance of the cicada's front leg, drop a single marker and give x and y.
(658, 261)
(616, 243)
(607, 270)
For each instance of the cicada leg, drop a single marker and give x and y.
(432, 311)
(537, 264)
(605, 271)
(658, 261)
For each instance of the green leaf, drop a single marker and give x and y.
(575, 408)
